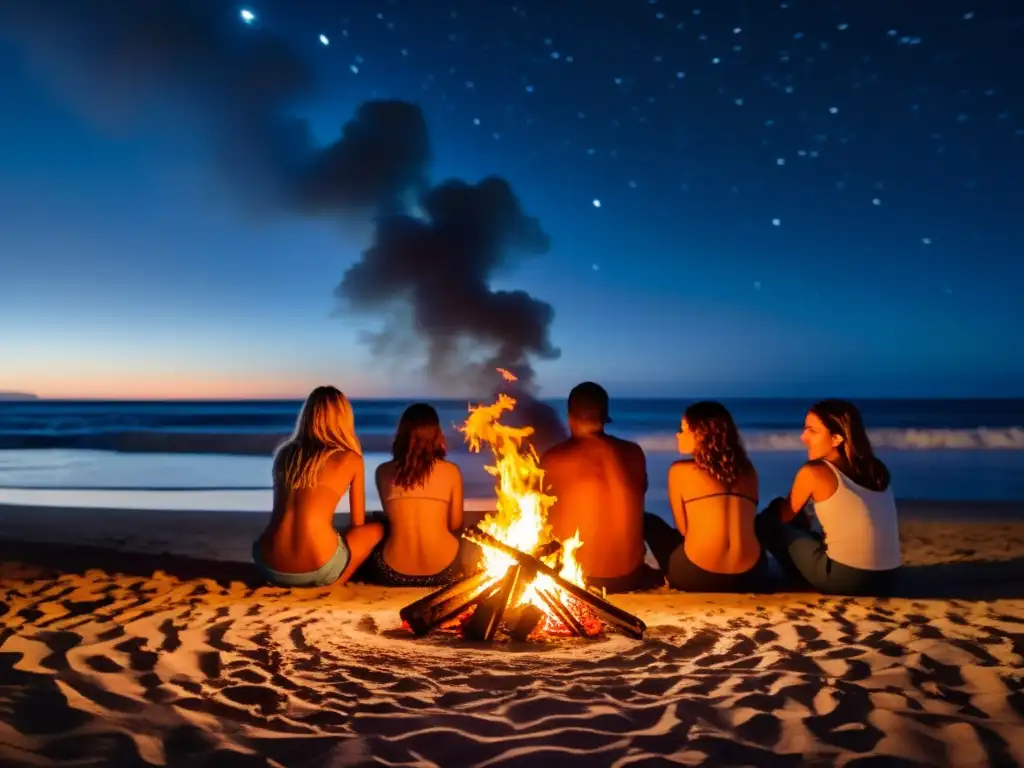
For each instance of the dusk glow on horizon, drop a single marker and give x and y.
(749, 201)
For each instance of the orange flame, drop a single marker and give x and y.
(520, 519)
(507, 375)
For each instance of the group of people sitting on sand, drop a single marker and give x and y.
(720, 542)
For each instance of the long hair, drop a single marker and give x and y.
(325, 425)
(418, 444)
(717, 449)
(842, 418)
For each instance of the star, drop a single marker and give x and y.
(247, 16)
(324, 40)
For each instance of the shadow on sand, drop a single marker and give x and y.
(53, 559)
(961, 580)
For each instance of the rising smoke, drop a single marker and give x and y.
(426, 276)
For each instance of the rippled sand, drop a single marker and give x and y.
(191, 665)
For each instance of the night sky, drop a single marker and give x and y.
(739, 199)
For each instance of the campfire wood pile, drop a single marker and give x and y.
(530, 581)
(495, 601)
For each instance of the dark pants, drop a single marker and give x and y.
(666, 545)
(802, 555)
(642, 578)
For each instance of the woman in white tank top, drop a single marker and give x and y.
(850, 492)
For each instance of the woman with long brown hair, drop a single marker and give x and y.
(714, 500)
(312, 470)
(422, 497)
(850, 491)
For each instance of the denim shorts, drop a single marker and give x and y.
(328, 573)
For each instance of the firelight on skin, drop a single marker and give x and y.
(684, 438)
(820, 444)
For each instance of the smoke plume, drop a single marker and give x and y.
(193, 66)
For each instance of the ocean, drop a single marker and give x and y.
(215, 455)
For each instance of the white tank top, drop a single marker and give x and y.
(860, 525)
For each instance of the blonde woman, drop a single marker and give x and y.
(312, 471)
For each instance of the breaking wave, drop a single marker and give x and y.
(142, 441)
(263, 443)
(980, 439)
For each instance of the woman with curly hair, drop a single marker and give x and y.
(422, 497)
(850, 491)
(312, 470)
(714, 500)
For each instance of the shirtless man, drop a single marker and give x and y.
(599, 482)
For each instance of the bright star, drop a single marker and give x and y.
(247, 16)
(324, 40)
(597, 203)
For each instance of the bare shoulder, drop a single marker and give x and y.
(813, 475)
(348, 459)
(627, 445)
(682, 468)
(631, 450)
(449, 469)
(345, 462)
(816, 469)
(557, 452)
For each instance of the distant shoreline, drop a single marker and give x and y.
(18, 397)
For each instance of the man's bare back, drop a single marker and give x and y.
(599, 482)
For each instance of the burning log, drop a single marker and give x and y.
(617, 617)
(441, 606)
(445, 604)
(494, 599)
(551, 548)
(488, 614)
(528, 620)
(562, 613)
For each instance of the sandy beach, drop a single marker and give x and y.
(141, 638)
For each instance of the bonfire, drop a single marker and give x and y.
(529, 583)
